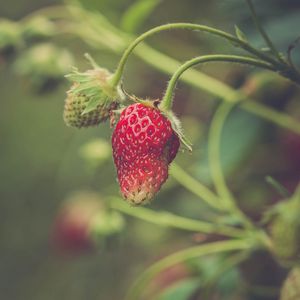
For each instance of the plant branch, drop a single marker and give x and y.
(194, 186)
(99, 32)
(139, 286)
(243, 44)
(262, 32)
(166, 219)
(214, 146)
(167, 101)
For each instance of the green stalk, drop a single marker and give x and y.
(136, 291)
(196, 187)
(115, 40)
(229, 263)
(120, 69)
(167, 101)
(214, 146)
(263, 33)
(166, 219)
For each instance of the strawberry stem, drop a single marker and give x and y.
(167, 101)
(263, 33)
(236, 41)
(196, 187)
(167, 219)
(214, 145)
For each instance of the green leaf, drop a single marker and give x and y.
(181, 290)
(241, 36)
(137, 14)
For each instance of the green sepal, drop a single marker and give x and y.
(176, 125)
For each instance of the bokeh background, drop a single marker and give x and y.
(42, 161)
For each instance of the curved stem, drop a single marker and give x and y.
(229, 263)
(117, 40)
(167, 100)
(139, 286)
(195, 187)
(166, 219)
(214, 145)
(118, 74)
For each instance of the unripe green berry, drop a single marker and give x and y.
(291, 287)
(91, 98)
(285, 232)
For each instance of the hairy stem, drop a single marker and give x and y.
(167, 101)
(262, 32)
(96, 26)
(120, 69)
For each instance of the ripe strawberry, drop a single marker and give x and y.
(144, 144)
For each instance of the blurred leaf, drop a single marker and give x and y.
(181, 290)
(241, 132)
(137, 14)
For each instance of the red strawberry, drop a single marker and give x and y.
(144, 144)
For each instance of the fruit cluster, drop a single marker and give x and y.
(144, 142)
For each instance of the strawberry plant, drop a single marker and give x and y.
(146, 137)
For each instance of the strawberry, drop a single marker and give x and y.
(75, 106)
(144, 144)
(91, 98)
(284, 230)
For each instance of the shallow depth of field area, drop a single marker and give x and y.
(89, 210)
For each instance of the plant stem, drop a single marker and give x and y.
(263, 33)
(214, 145)
(120, 69)
(167, 101)
(166, 219)
(195, 187)
(229, 263)
(139, 286)
(115, 40)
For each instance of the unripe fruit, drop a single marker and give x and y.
(285, 231)
(91, 98)
(291, 287)
(75, 106)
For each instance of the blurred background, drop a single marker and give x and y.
(43, 162)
